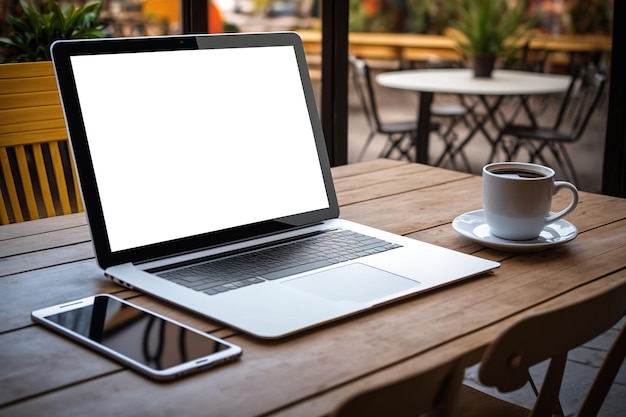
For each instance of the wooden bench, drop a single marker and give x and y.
(409, 47)
(38, 176)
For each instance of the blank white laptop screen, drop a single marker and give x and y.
(202, 140)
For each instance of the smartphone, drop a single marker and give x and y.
(150, 343)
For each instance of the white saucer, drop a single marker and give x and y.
(474, 226)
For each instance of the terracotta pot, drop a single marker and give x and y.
(483, 66)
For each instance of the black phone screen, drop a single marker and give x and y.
(141, 336)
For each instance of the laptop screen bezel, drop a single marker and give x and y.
(62, 51)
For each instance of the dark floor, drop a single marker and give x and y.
(587, 155)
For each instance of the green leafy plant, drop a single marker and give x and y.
(34, 32)
(492, 27)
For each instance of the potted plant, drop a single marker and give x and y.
(25, 54)
(34, 32)
(38, 27)
(491, 29)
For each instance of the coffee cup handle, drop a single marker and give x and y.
(558, 186)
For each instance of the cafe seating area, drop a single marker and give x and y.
(283, 377)
(542, 332)
(587, 153)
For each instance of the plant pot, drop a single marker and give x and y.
(483, 66)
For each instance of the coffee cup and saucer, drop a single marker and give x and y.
(516, 214)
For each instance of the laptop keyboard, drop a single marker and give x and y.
(217, 276)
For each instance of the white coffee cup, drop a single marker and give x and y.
(517, 198)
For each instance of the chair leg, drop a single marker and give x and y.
(406, 151)
(368, 140)
(389, 146)
(394, 143)
(536, 152)
(558, 407)
(449, 137)
(448, 150)
(605, 377)
(569, 164)
(499, 143)
(548, 399)
(563, 161)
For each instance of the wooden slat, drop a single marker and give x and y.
(10, 184)
(50, 130)
(30, 114)
(39, 98)
(27, 182)
(59, 174)
(376, 52)
(409, 178)
(73, 280)
(365, 167)
(77, 194)
(35, 84)
(44, 183)
(43, 191)
(34, 228)
(45, 241)
(33, 69)
(413, 54)
(4, 214)
(46, 258)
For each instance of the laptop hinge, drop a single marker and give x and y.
(238, 247)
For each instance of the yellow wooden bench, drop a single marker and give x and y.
(38, 175)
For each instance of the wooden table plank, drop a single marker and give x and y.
(45, 258)
(45, 240)
(399, 180)
(365, 167)
(10, 231)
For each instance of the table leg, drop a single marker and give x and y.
(423, 128)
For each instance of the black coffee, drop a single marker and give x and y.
(518, 173)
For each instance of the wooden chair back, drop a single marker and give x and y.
(38, 176)
(429, 393)
(551, 334)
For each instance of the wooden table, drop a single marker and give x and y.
(461, 81)
(49, 261)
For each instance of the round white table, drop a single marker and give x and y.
(503, 83)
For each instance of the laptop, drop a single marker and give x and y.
(200, 156)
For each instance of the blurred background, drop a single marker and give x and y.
(161, 17)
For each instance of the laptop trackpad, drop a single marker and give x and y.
(355, 282)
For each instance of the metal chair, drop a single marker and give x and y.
(452, 114)
(580, 102)
(544, 335)
(430, 393)
(397, 132)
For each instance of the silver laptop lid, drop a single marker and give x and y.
(188, 142)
